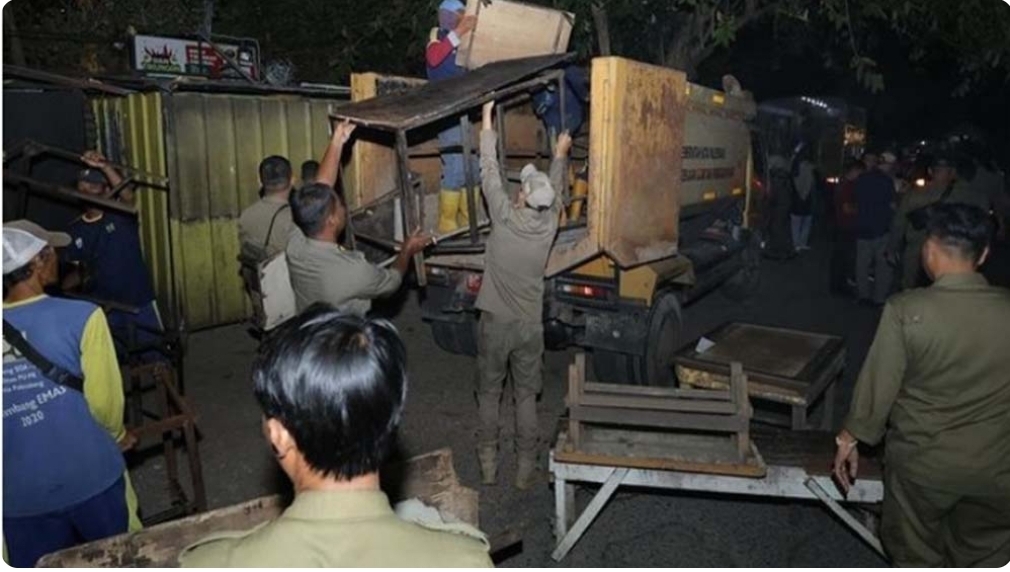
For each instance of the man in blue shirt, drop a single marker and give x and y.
(105, 247)
(875, 198)
(64, 478)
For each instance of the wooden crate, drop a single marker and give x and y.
(658, 427)
(509, 30)
(790, 367)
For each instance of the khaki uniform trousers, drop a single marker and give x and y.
(924, 527)
(509, 346)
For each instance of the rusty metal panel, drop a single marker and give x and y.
(130, 130)
(636, 122)
(433, 101)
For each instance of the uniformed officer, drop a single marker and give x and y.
(936, 387)
(264, 226)
(320, 269)
(511, 299)
(908, 227)
(332, 389)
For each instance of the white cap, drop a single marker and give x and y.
(24, 240)
(540, 193)
(888, 157)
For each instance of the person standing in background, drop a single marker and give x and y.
(801, 212)
(875, 198)
(440, 57)
(843, 251)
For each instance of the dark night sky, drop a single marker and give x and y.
(916, 103)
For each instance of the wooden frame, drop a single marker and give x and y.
(659, 427)
(173, 420)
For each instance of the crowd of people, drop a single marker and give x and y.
(879, 219)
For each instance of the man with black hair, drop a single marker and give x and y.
(108, 261)
(935, 387)
(264, 226)
(321, 270)
(64, 478)
(310, 170)
(332, 389)
(511, 298)
(908, 232)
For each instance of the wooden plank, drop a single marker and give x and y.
(430, 477)
(508, 30)
(810, 450)
(645, 391)
(656, 403)
(663, 451)
(714, 381)
(659, 419)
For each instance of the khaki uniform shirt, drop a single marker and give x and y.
(326, 272)
(517, 249)
(937, 382)
(341, 529)
(963, 192)
(254, 223)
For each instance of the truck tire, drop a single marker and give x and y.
(663, 342)
(615, 367)
(746, 281)
(665, 324)
(456, 337)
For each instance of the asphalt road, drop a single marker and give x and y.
(638, 527)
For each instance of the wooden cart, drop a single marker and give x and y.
(789, 367)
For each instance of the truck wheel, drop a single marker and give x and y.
(615, 367)
(456, 337)
(664, 341)
(746, 281)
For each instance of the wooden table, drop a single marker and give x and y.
(797, 468)
(790, 367)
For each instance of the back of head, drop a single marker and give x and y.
(275, 173)
(963, 230)
(311, 204)
(310, 169)
(537, 186)
(338, 384)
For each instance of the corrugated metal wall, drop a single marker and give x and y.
(210, 145)
(130, 130)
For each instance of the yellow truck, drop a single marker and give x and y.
(663, 222)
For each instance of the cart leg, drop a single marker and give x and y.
(589, 515)
(843, 514)
(569, 505)
(561, 508)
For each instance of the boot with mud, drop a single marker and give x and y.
(526, 467)
(487, 456)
